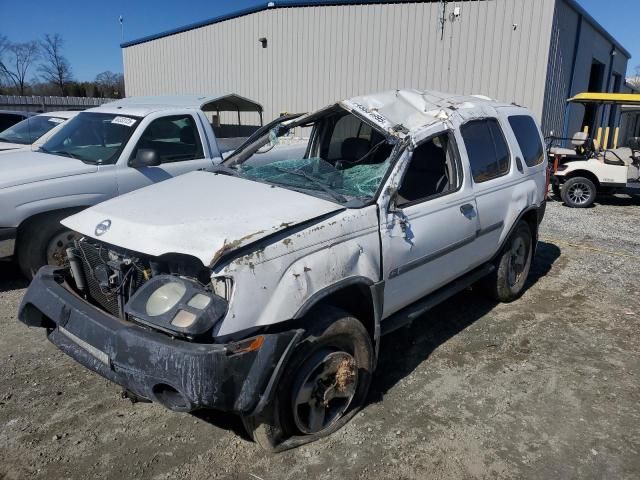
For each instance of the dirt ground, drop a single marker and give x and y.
(546, 387)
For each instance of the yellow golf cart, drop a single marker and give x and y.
(605, 163)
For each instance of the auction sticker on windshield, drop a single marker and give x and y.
(126, 121)
(56, 120)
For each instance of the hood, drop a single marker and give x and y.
(201, 214)
(8, 146)
(21, 167)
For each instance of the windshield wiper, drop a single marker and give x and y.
(336, 196)
(63, 153)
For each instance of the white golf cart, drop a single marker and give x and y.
(590, 168)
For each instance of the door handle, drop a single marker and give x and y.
(467, 210)
(519, 165)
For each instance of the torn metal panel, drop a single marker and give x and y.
(271, 283)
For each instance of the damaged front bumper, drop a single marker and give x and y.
(181, 375)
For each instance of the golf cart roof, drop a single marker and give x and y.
(611, 98)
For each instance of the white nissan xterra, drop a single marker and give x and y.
(263, 288)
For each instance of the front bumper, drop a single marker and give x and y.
(7, 242)
(181, 375)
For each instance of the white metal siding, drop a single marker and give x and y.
(317, 55)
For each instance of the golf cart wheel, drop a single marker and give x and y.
(324, 383)
(507, 281)
(578, 192)
(44, 242)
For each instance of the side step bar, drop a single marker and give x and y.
(410, 313)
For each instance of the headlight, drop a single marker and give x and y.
(176, 305)
(165, 298)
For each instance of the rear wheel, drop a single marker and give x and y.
(324, 383)
(44, 242)
(507, 281)
(578, 192)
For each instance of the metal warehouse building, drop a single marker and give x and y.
(298, 56)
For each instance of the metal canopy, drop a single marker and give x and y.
(208, 103)
(606, 98)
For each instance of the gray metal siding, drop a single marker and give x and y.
(317, 55)
(593, 45)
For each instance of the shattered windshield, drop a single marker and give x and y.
(336, 156)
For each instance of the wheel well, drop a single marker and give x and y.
(356, 299)
(38, 217)
(531, 217)
(585, 174)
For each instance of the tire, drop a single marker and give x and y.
(578, 192)
(43, 242)
(334, 362)
(506, 283)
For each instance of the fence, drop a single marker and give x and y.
(48, 104)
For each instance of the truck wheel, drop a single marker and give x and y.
(506, 283)
(578, 192)
(323, 385)
(44, 242)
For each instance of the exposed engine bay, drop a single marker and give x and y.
(146, 290)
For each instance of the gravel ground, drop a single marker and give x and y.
(546, 387)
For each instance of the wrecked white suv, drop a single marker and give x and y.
(263, 288)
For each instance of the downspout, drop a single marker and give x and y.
(576, 48)
(612, 56)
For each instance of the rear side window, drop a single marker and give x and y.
(528, 138)
(487, 149)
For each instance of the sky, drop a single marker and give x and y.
(92, 34)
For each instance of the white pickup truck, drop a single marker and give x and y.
(105, 152)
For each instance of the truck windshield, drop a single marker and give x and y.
(28, 131)
(344, 159)
(96, 138)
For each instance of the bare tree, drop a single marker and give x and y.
(110, 85)
(635, 80)
(15, 61)
(55, 67)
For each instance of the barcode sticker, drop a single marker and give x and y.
(126, 121)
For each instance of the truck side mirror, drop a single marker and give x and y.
(145, 157)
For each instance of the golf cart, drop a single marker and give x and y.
(590, 168)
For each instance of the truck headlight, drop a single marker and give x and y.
(164, 298)
(176, 305)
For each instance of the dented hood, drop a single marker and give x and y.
(200, 214)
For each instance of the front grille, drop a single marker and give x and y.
(92, 256)
(114, 297)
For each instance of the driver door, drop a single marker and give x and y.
(178, 141)
(429, 235)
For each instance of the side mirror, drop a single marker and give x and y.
(145, 157)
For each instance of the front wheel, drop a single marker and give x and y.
(44, 242)
(507, 281)
(324, 383)
(578, 192)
